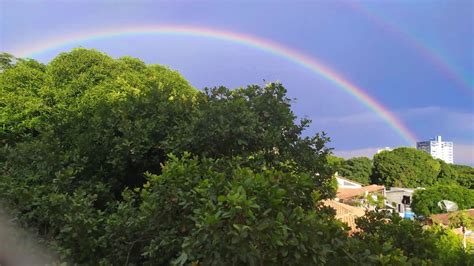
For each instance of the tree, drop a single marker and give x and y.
(334, 162)
(6, 61)
(86, 162)
(405, 167)
(249, 121)
(398, 241)
(464, 175)
(463, 220)
(425, 201)
(80, 132)
(358, 169)
(217, 212)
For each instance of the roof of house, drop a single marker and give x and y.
(444, 217)
(347, 193)
(400, 189)
(346, 213)
(348, 180)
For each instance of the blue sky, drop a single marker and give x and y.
(385, 47)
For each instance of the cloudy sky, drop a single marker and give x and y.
(415, 58)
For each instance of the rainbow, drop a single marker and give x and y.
(440, 62)
(247, 40)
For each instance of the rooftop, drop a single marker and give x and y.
(346, 213)
(347, 193)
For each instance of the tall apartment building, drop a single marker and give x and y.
(438, 149)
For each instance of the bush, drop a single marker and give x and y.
(425, 201)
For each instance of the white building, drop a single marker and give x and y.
(346, 183)
(399, 199)
(438, 149)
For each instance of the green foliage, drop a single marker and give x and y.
(358, 169)
(425, 201)
(79, 133)
(447, 173)
(202, 212)
(449, 246)
(405, 167)
(6, 61)
(249, 121)
(397, 241)
(461, 219)
(334, 162)
(84, 164)
(464, 175)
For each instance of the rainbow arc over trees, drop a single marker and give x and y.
(268, 46)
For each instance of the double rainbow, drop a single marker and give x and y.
(251, 41)
(424, 49)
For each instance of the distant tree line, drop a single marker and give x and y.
(411, 168)
(112, 161)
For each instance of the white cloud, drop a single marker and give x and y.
(364, 152)
(446, 116)
(425, 122)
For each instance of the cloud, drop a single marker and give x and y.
(425, 122)
(444, 116)
(364, 152)
(464, 154)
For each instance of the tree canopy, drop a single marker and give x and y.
(358, 169)
(464, 175)
(425, 201)
(113, 161)
(405, 167)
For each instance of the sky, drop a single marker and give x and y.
(414, 58)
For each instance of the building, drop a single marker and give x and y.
(399, 199)
(346, 213)
(360, 196)
(438, 149)
(346, 183)
(356, 194)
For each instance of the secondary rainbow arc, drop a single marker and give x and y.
(252, 41)
(424, 49)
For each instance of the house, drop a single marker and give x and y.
(443, 218)
(346, 183)
(346, 213)
(399, 200)
(354, 193)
